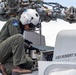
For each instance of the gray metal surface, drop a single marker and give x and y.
(0, 73)
(15, 73)
(34, 37)
(43, 47)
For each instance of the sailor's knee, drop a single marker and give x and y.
(19, 36)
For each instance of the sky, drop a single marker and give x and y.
(52, 28)
(67, 3)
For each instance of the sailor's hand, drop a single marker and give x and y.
(33, 48)
(28, 42)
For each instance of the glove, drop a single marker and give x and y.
(33, 48)
(28, 42)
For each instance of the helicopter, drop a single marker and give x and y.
(48, 10)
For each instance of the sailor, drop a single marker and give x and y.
(12, 50)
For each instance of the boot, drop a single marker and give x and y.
(19, 70)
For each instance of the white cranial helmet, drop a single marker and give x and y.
(30, 16)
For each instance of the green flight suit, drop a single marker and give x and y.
(12, 52)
